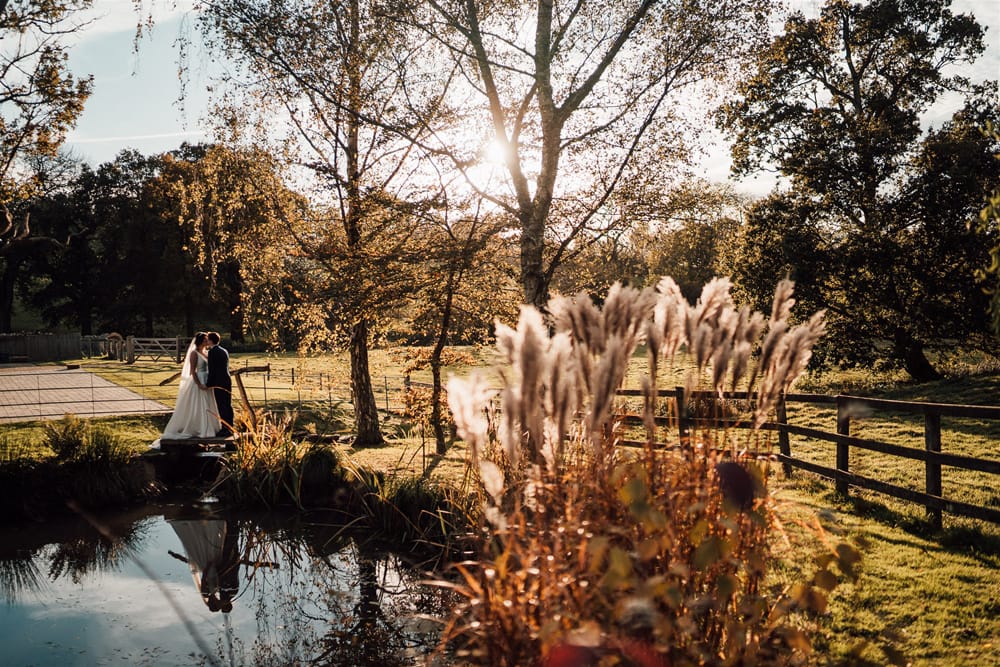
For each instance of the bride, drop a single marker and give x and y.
(195, 414)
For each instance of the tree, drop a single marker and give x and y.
(686, 232)
(335, 76)
(872, 227)
(468, 286)
(988, 226)
(39, 101)
(236, 211)
(124, 267)
(582, 98)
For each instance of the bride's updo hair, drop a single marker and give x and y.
(200, 338)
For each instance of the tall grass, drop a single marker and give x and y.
(594, 554)
(270, 467)
(92, 467)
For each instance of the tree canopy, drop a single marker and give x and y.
(40, 100)
(581, 99)
(873, 226)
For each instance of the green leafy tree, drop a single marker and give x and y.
(235, 213)
(987, 224)
(63, 285)
(872, 227)
(40, 101)
(129, 265)
(341, 79)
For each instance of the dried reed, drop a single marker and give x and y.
(594, 553)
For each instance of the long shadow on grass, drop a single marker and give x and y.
(968, 540)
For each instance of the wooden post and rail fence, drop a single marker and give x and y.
(848, 408)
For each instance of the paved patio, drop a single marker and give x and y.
(30, 393)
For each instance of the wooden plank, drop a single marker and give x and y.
(943, 458)
(919, 407)
(192, 445)
(951, 506)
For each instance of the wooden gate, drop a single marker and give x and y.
(154, 348)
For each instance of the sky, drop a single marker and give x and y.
(135, 102)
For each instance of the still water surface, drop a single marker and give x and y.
(181, 584)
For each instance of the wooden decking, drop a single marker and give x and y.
(192, 445)
(188, 461)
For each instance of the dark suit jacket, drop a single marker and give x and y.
(218, 368)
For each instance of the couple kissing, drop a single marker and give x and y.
(204, 407)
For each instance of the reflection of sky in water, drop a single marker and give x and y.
(119, 616)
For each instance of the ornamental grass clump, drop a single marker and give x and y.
(599, 553)
(270, 467)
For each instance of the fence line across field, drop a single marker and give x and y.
(274, 388)
(848, 409)
(30, 395)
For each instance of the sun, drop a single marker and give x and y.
(495, 151)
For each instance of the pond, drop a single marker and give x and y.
(189, 584)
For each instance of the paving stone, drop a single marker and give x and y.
(43, 392)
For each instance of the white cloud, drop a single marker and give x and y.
(71, 139)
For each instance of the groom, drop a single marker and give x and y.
(218, 380)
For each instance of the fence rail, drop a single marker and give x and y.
(37, 393)
(850, 409)
(154, 348)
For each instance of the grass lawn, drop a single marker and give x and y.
(933, 598)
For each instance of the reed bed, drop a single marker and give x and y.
(596, 554)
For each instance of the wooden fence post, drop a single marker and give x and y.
(682, 423)
(843, 428)
(130, 350)
(784, 445)
(932, 474)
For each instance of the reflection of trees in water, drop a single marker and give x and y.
(18, 574)
(322, 597)
(83, 555)
(72, 549)
(338, 601)
(378, 625)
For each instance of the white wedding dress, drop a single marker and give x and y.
(195, 414)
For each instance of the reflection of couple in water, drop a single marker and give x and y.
(214, 557)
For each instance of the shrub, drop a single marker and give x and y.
(653, 555)
(270, 467)
(66, 437)
(92, 467)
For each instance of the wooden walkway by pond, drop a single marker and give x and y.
(48, 392)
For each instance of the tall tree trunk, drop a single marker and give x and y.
(232, 291)
(236, 324)
(188, 317)
(911, 352)
(7, 279)
(84, 316)
(533, 281)
(365, 410)
(441, 445)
